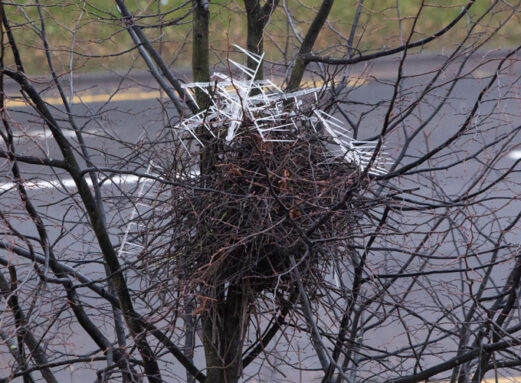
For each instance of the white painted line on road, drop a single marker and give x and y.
(515, 154)
(69, 183)
(46, 133)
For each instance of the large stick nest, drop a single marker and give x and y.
(234, 222)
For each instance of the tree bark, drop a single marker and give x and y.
(257, 18)
(201, 73)
(307, 45)
(224, 327)
(254, 40)
(200, 51)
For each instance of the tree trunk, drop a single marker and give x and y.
(307, 45)
(224, 328)
(254, 41)
(200, 52)
(201, 73)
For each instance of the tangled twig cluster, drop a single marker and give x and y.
(265, 173)
(257, 202)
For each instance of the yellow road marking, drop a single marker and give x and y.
(481, 74)
(91, 98)
(133, 95)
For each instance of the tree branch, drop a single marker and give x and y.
(140, 39)
(347, 61)
(307, 45)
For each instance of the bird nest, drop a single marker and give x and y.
(239, 220)
(275, 174)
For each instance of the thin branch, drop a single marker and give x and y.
(347, 61)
